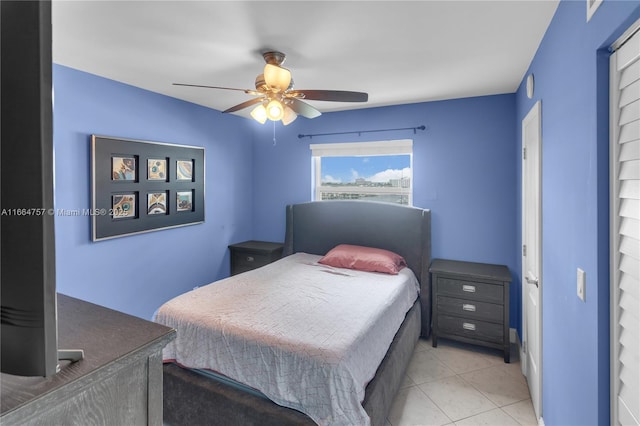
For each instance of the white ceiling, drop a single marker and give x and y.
(398, 52)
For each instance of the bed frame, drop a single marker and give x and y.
(315, 228)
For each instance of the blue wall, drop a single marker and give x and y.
(464, 171)
(136, 274)
(571, 80)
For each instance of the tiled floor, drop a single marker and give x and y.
(459, 384)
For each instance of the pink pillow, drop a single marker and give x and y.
(364, 259)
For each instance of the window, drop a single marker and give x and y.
(374, 171)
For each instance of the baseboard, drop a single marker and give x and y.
(515, 340)
(513, 336)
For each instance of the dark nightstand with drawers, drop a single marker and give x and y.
(250, 255)
(471, 303)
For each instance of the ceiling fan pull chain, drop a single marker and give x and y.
(274, 133)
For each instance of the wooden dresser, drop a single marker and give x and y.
(250, 255)
(471, 303)
(119, 381)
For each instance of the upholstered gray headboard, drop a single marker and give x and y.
(316, 227)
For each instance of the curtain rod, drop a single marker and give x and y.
(423, 127)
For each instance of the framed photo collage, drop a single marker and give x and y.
(141, 186)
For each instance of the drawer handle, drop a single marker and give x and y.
(468, 307)
(469, 326)
(469, 288)
(250, 259)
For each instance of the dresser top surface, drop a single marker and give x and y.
(472, 269)
(104, 335)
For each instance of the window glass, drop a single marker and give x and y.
(373, 174)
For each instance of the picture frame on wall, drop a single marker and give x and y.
(157, 203)
(184, 170)
(123, 168)
(157, 169)
(184, 201)
(134, 181)
(123, 206)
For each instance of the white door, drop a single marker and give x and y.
(625, 230)
(531, 255)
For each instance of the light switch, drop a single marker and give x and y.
(582, 282)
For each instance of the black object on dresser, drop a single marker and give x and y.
(118, 382)
(471, 303)
(252, 254)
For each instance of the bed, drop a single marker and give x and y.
(196, 395)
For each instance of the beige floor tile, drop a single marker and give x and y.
(497, 384)
(412, 407)
(426, 367)
(407, 382)
(495, 417)
(423, 345)
(456, 398)
(462, 360)
(523, 412)
(471, 396)
(514, 368)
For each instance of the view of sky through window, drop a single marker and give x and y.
(379, 169)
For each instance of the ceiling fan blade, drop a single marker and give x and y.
(248, 91)
(243, 105)
(330, 95)
(303, 109)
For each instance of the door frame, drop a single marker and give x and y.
(535, 113)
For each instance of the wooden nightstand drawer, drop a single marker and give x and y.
(470, 309)
(474, 329)
(250, 255)
(470, 290)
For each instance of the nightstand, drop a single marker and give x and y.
(250, 255)
(470, 303)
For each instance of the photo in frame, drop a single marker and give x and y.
(123, 168)
(184, 201)
(157, 203)
(123, 206)
(184, 170)
(126, 199)
(157, 169)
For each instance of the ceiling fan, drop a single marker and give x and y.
(277, 99)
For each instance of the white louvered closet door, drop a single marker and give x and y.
(625, 233)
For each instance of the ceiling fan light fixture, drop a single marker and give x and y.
(289, 115)
(275, 110)
(276, 98)
(259, 114)
(276, 77)
(261, 85)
